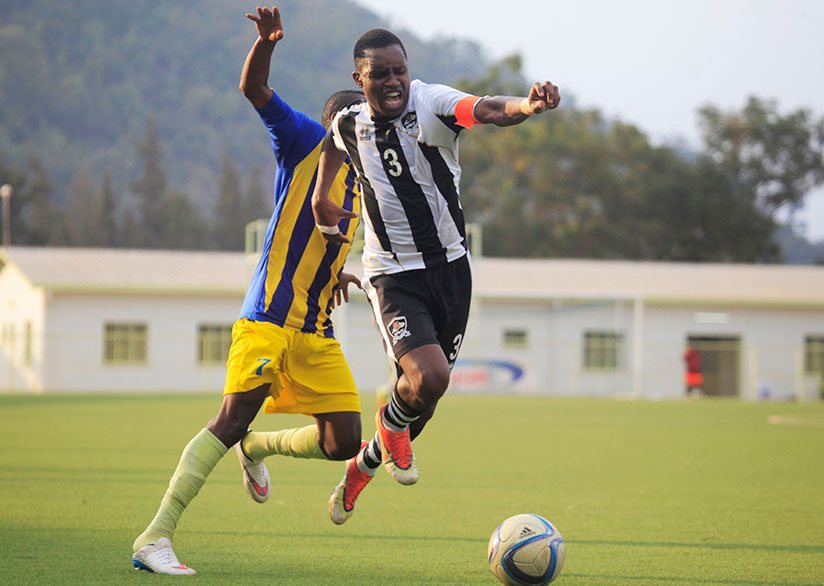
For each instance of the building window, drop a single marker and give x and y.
(515, 339)
(603, 351)
(213, 341)
(814, 355)
(124, 343)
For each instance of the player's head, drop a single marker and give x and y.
(337, 102)
(382, 72)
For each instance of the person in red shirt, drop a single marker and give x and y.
(693, 378)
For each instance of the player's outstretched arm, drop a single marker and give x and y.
(254, 77)
(327, 213)
(508, 110)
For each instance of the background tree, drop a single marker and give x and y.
(771, 158)
(89, 216)
(165, 218)
(257, 199)
(81, 214)
(107, 225)
(232, 211)
(33, 214)
(150, 188)
(573, 184)
(186, 228)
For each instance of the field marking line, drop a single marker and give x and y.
(808, 421)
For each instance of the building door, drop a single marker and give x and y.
(720, 364)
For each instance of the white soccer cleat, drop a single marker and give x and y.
(160, 558)
(255, 476)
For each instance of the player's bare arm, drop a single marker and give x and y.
(254, 78)
(509, 110)
(327, 213)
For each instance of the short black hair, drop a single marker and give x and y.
(337, 102)
(377, 38)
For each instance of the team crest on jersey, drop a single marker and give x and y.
(410, 121)
(365, 133)
(397, 329)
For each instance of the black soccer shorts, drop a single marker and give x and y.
(423, 306)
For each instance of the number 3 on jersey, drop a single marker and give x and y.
(394, 167)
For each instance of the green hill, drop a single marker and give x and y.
(80, 79)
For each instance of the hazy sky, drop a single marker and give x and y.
(651, 63)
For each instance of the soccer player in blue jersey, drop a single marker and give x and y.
(283, 356)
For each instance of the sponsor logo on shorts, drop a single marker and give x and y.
(397, 329)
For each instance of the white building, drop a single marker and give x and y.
(156, 321)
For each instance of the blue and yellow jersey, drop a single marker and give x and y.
(297, 274)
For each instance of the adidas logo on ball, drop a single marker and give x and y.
(525, 533)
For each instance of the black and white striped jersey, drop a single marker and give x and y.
(409, 174)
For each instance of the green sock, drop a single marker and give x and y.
(297, 443)
(198, 459)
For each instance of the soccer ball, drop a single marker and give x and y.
(526, 550)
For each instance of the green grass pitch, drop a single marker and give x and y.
(645, 493)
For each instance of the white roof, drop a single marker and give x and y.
(113, 269)
(163, 271)
(656, 282)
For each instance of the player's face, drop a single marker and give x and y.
(384, 77)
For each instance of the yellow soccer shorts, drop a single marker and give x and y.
(306, 372)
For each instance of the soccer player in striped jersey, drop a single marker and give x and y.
(283, 356)
(404, 144)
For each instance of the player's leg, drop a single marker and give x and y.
(360, 470)
(243, 396)
(413, 401)
(435, 303)
(384, 394)
(416, 427)
(237, 411)
(451, 315)
(356, 475)
(315, 379)
(153, 550)
(231, 424)
(424, 381)
(341, 433)
(399, 304)
(257, 356)
(334, 436)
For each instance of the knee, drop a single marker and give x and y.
(227, 430)
(431, 384)
(339, 449)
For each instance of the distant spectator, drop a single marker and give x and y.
(693, 378)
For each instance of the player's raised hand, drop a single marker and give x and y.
(327, 216)
(542, 97)
(268, 23)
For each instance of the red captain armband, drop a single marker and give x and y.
(464, 111)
